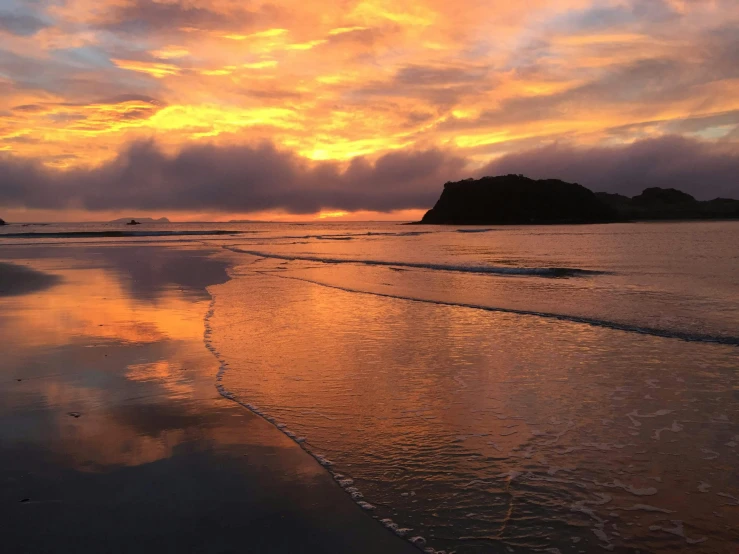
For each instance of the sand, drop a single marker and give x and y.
(113, 437)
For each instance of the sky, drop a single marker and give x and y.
(230, 109)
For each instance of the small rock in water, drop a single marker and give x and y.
(74, 414)
(24, 500)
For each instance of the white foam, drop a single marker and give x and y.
(675, 428)
(635, 414)
(679, 531)
(734, 498)
(616, 484)
(602, 499)
(354, 492)
(418, 541)
(712, 454)
(646, 508)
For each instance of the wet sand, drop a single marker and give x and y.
(19, 279)
(113, 437)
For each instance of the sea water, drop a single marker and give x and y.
(493, 389)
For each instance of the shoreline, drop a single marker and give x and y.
(131, 447)
(343, 482)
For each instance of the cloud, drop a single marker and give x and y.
(438, 85)
(21, 24)
(144, 17)
(633, 12)
(249, 179)
(77, 74)
(235, 179)
(704, 169)
(333, 80)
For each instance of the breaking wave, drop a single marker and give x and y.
(493, 270)
(618, 326)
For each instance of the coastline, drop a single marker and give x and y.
(113, 437)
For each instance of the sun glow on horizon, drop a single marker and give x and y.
(332, 214)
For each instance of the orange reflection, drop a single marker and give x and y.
(123, 374)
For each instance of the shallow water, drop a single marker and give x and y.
(421, 374)
(561, 389)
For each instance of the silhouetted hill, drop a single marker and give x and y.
(515, 200)
(2, 222)
(518, 200)
(658, 203)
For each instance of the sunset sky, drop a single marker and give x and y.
(219, 109)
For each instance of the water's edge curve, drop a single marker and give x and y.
(345, 482)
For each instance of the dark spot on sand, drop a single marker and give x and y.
(16, 280)
(74, 414)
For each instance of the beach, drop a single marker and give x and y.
(113, 437)
(369, 276)
(370, 387)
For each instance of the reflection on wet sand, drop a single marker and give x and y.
(18, 279)
(113, 437)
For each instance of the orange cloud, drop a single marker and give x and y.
(333, 81)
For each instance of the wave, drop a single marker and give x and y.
(493, 270)
(114, 234)
(347, 236)
(344, 481)
(475, 230)
(626, 327)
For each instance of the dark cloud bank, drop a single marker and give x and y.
(255, 178)
(704, 169)
(232, 179)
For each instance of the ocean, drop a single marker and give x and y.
(487, 389)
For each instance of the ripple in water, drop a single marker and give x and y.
(473, 431)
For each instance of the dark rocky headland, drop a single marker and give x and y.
(518, 200)
(657, 203)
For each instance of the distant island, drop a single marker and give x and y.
(128, 220)
(518, 200)
(2, 222)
